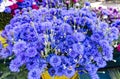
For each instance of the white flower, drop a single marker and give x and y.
(2, 7)
(9, 3)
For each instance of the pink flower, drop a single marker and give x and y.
(118, 47)
(20, 0)
(67, 2)
(14, 6)
(34, 6)
(75, 1)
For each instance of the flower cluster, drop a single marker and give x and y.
(59, 40)
(20, 4)
(107, 14)
(33, 4)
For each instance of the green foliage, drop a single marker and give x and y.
(5, 73)
(4, 19)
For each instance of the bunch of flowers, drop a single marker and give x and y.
(58, 40)
(35, 4)
(20, 4)
(107, 14)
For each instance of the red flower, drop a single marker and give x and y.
(14, 6)
(118, 47)
(20, 0)
(34, 6)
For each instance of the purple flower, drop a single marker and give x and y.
(34, 74)
(55, 61)
(31, 52)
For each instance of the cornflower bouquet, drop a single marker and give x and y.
(61, 41)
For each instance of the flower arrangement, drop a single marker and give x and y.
(61, 41)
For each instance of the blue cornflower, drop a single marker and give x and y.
(32, 63)
(78, 48)
(66, 28)
(103, 26)
(70, 40)
(59, 71)
(34, 73)
(87, 3)
(16, 64)
(55, 61)
(97, 36)
(52, 71)
(8, 27)
(101, 63)
(69, 72)
(107, 55)
(42, 64)
(91, 68)
(104, 43)
(116, 24)
(5, 53)
(31, 52)
(114, 30)
(45, 26)
(64, 60)
(73, 54)
(79, 36)
(19, 47)
(8, 10)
